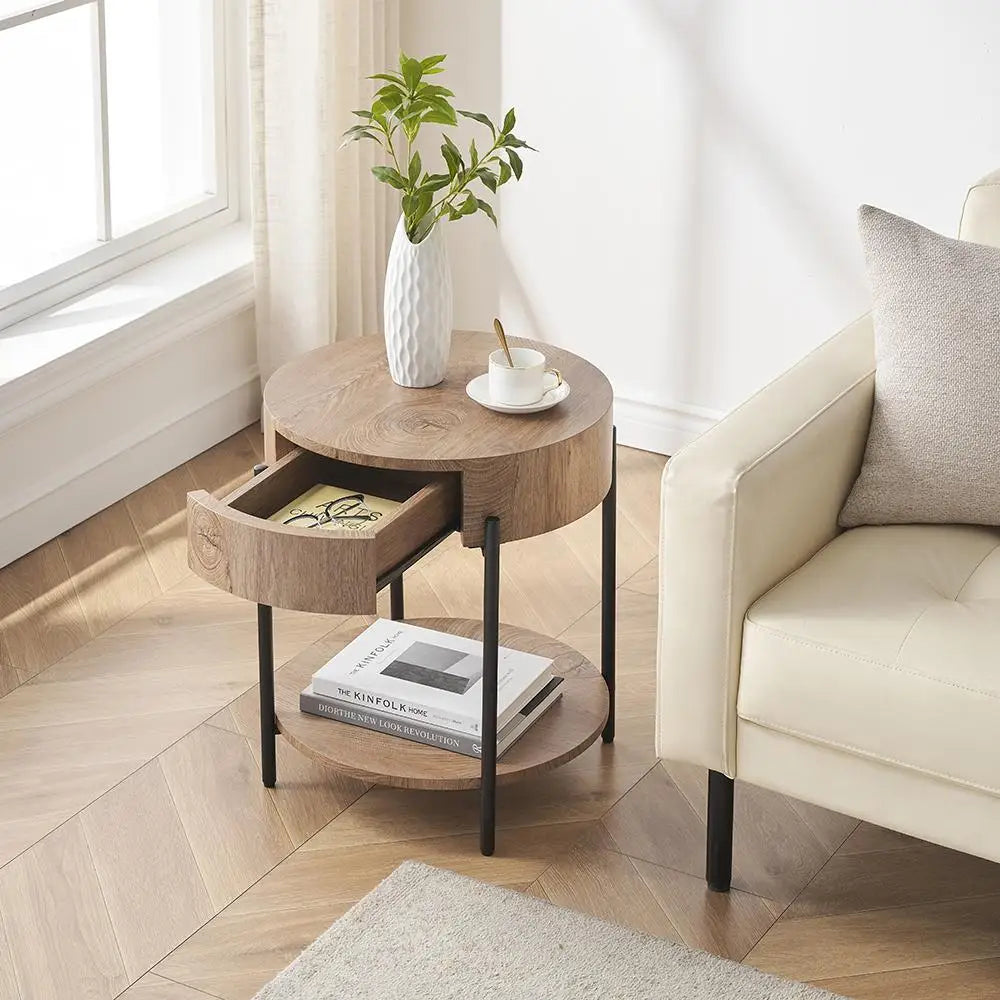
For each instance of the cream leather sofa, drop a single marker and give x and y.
(858, 670)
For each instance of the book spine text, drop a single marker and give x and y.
(382, 722)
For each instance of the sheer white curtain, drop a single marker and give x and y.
(321, 223)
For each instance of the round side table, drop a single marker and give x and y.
(514, 476)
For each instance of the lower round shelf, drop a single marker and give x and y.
(562, 733)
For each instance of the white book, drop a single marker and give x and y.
(434, 677)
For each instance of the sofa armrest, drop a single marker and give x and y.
(980, 222)
(742, 507)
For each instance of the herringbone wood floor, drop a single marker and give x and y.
(140, 856)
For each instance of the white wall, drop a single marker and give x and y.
(689, 222)
(469, 32)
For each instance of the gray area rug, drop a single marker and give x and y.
(434, 935)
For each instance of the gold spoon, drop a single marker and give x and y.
(502, 337)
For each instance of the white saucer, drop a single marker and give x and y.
(479, 390)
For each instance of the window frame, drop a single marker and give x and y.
(117, 255)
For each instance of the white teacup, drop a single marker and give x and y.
(526, 382)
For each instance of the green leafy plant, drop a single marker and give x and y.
(399, 109)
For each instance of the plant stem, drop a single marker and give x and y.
(463, 186)
(392, 152)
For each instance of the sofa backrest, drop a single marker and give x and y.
(981, 212)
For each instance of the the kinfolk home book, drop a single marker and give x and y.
(421, 732)
(425, 676)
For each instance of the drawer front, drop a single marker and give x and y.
(233, 545)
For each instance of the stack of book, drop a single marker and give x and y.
(427, 686)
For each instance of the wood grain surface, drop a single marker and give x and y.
(536, 472)
(562, 733)
(233, 546)
(98, 708)
(134, 823)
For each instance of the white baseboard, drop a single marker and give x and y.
(121, 474)
(93, 447)
(661, 428)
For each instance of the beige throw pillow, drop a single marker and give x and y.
(933, 452)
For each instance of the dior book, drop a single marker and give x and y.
(335, 507)
(427, 676)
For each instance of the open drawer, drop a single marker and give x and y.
(233, 545)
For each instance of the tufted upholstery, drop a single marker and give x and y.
(885, 636)
(858, 671)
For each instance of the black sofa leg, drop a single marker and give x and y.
(719, 861)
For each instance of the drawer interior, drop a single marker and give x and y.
(300, 471)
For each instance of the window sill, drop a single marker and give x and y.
(46, 358)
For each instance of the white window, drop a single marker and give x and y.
(113, 140)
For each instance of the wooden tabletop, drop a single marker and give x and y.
(340, 401)
(535, 472)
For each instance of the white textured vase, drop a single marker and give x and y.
(418, 308)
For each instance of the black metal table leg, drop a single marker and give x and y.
(609, 528)
(396, 599)
(719, 859)
(491, 640)
(265, 661)
(265, 667)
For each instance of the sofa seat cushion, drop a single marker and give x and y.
(886, 644)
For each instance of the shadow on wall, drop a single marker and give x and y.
(719, 126)
(722, 132)
(469, 33)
